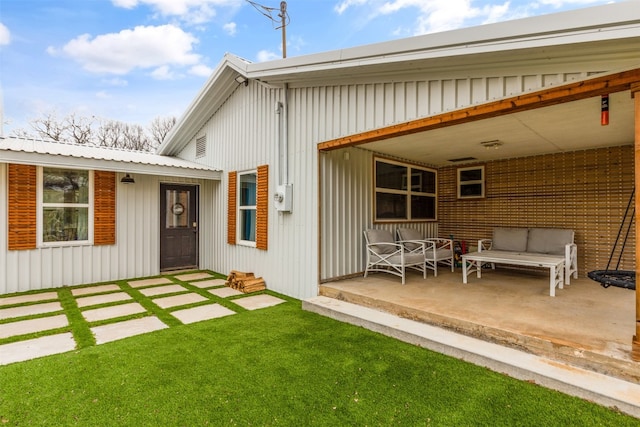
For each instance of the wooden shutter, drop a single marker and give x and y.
(231, 208)
(104, 208)
(262, 208)
(22, 207)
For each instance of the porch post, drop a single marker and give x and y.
(635, 93)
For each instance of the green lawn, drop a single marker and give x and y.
(276, 366)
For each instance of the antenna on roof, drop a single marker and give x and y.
(283, 19)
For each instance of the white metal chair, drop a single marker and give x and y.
(437, 250)
(387, 256)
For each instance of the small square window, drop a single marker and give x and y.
(471, 182)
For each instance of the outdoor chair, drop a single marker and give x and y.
(387, 256)
(437, 250)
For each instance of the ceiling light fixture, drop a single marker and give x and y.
(127, 179)
(492, 144)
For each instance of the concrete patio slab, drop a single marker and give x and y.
(95, 289)
(30, 326)
(38, 347)
(160, 290)
(21, 299)
(204, 312)
(29, 310)
(258, 301)
(193, 276)
(149, 282)
(128, 328)
(113, 312)
(102, 299)
(225, 292)
(208, 283)
(178, 300)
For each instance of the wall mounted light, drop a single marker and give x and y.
(242, 80)
(127, 179)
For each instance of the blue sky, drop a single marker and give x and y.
(134, 60)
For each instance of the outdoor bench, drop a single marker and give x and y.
(551, 248)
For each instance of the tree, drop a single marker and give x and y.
(99, 132)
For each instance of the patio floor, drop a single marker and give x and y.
(584, 324)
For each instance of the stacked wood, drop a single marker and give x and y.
(245, 282)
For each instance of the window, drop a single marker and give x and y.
(471, 182)
(248, 208)
(404, 192)
(66, 209)
(247, 198)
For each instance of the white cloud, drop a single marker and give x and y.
(103, 95)
(345, 4)
(230, 28)
(163, 73)
(193, 11)
(5, 35)
(143, 47)
(118, 82)
(267, 55)
(200, 70)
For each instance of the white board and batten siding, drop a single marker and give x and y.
(135, 254)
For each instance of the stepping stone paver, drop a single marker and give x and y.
(102, 299)
(258, 301)
(128, 328)
(21, 299)
(30, 326)
(225, 292)
(28, 310)
(204, 312)
(95, 289)
(38, 347)
(159, 290)
(113, 312)
(208, 283)
(149, 282)
(177, 300)
(193, 276)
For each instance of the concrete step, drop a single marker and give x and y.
(602, 389)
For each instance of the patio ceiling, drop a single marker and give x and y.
(559, 128)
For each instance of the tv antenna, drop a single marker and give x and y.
(282, 18)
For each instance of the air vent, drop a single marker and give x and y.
(201, 146)
(462, 159)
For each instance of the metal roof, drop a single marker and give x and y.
(597, 30)
(52, 153)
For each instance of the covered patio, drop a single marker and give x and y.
(585, 324)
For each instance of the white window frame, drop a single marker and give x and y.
(408, 190)
(480, 181)
(40, 205)
(241, 209)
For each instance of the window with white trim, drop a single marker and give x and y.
(65, 214)
(471, 182)
(247, 201)
(404, 192)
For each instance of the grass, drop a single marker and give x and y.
(276, 366)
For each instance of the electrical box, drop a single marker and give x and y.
(282, 198)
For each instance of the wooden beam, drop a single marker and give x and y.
(569, 92)
(635, 93)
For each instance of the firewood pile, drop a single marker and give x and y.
(245, 282)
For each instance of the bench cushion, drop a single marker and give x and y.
(549, 240)
(510, 239)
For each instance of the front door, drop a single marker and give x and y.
(178, 226)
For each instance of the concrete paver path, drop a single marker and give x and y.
(120, 314)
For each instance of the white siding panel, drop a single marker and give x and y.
(135, 254)
(347, 210)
